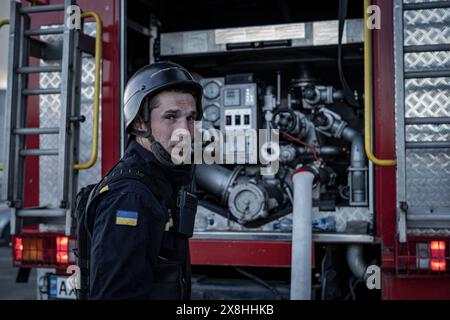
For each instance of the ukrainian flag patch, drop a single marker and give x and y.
(126, 218)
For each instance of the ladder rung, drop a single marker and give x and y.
(46, 8)
(428, 145)
(25, 131)
(427, 74)
(39, 69)
(49, 213)
(38, 91)
(38, 152)
(426, 5)
(428, 120)
(427, 48)
(38, 32)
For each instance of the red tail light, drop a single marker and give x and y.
(438, 265)
(43, 250)
(62, 250)
(423, 256)
(437, 253)
(18, 249)
(437, 246)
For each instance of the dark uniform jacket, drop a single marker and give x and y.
(135, 252)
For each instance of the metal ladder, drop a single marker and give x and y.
(22, 46)
(422, 72)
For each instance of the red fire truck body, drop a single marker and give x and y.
(393, 255)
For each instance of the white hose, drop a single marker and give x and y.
(302, 236)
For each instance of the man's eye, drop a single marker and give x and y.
(170, 117)
(191, 118)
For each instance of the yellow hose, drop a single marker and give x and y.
(98, 54)
(4, 22)
(368, 94)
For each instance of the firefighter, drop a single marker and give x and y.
(139, 247)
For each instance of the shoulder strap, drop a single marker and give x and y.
(136, 173)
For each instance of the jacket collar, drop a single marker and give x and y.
(170, 179)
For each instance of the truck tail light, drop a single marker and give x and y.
(43, 250)
(18, 249)
(437, 254)
(437, 246)
(422, 256)
(28, 249)
(62, 250)
(437, 265)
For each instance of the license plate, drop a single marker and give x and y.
(60, 288)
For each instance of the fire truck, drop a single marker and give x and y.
(357, 91)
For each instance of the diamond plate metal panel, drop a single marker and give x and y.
(422, 133)
(344, 215)
(427, 171)
(426, 26)
(428, 178)
(417, 61)
(427, 97)
(207, 220)
(50, 107)
(423, 175)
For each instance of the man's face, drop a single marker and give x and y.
(174, 111)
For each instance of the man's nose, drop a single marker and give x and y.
(185, 124)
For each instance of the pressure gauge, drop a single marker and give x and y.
(211, 113)
(211, 90)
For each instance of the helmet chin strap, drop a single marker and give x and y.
(156, 148)
(164, 158)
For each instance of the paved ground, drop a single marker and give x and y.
(9, 289)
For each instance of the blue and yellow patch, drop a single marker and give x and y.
(126, 218)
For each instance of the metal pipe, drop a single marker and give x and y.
(302, 236)
(355, 260)
(269, 106)
(49, 213)
(39, 91)
(46, 31)
(325, 150)
(26, 131)
(278, 88)
(214, 178)
(39, 69)
(42, 8)
(38, 152)
(358, 163)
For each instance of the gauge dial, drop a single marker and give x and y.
(211, 113)
(211, 90)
